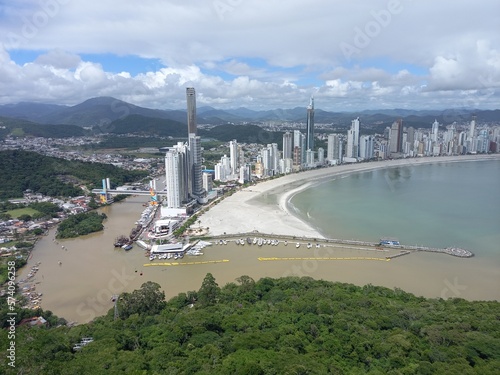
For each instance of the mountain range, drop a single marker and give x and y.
(104, 110)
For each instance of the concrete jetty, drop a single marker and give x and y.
(406, 249)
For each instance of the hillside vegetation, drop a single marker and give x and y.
(273, 326)
(22, 170)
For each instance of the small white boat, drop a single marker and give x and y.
(297, 245)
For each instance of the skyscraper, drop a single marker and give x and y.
(191, 110)
(195, 161)
(234, 156)
(352, 150)
(310, 125)
(176, 175)
(195, 174)
(287, 145)
(396, 137)
(334, 150)
(435, 130)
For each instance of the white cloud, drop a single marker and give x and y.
(269, 53)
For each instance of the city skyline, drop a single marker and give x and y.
(353, 58)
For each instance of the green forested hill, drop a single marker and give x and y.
(19, 127)
(273, 326)
(21, 170)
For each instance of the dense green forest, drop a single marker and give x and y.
(22, 170)
(271, 326)
(80, 224)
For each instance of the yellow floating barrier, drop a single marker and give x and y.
(325, 258)
(167, 264)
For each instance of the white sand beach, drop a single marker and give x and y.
(247, 211)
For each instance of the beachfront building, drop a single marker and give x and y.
(310, 163)
(259, 167)
(366, 146)
(310, 125)
(195, 166)
(435, 131)
(195, 158)
(321, 156)
(234, 156)
(396, 137)
(352, 150)
(297, 158)
(207, 182)
(245, 173)
(285, 166)
(299, 140)
(287, 145)
(334, 149)
(176, 179)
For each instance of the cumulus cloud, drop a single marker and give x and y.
(255, 53)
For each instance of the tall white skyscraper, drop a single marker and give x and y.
(265, 153)
(353, 140)
(176, 173)
(472, 128)
(234, 156)
(321, 156)
(366, 146)
(195, 174)
(310, 125)
(435, 130)
(334, 149)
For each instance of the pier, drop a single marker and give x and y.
(405, 249)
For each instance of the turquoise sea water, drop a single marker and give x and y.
(441, 204)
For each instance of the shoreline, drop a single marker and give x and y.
(247, 210)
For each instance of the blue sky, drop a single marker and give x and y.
(261, 54)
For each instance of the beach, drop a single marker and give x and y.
(264, 207)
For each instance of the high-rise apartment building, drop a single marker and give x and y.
(310, 125)
(176, 175)
(435, 131)
(195, 173)
(396, 137)
(334, 149)
(191, 110)
(352, 150)
(234, 156)
(287, 145)
(366, 146)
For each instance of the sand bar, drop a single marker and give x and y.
(264, 207)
